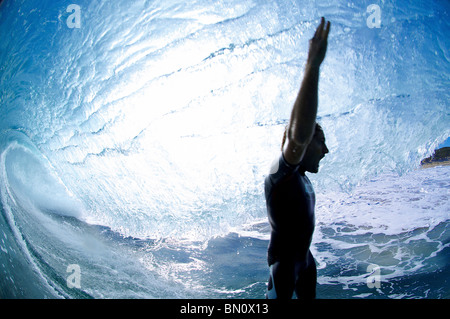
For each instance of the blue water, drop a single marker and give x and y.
(445, 144)
(134, 145)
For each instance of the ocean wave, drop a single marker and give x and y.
(154, 123)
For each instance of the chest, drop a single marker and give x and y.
(294, 199)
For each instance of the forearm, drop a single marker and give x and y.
(304, 112)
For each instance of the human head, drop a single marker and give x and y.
(317, 127)
(315, 151)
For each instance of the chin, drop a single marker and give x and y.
(316, 169)
(313, 170)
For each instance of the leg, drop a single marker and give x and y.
(282, 280)
(305, 287)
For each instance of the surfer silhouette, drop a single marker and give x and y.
(289, 194)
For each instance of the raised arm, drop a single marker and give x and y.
(303, 117)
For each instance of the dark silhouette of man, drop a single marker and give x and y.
(289, 194)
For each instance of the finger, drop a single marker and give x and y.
(320, 28)
(327, 30)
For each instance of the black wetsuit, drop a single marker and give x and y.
(290, 203)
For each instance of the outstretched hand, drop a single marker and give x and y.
(318, 44)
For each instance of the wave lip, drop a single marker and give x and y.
(31, 180)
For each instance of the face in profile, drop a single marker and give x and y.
(315, 152)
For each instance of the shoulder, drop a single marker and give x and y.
(280, 170)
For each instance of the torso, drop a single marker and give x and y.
(290, 207)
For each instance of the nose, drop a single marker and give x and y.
(325, 149)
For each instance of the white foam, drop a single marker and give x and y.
(390, 204)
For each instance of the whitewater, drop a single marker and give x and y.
(135, 137)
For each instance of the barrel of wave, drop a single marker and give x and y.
(30, 179)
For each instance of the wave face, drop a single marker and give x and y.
(149, 126)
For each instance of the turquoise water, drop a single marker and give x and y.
(135, 137)
(445, 144)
